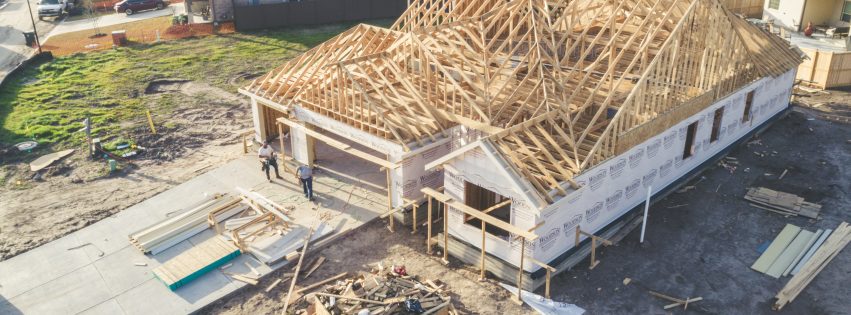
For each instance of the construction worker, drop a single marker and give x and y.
(305, 174)
(268, 160)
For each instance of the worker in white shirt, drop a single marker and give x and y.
(305, 175)
(268, 160)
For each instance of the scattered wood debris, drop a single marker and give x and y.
(783, 203)
(831, 247)
(380, 292)
(677, 302)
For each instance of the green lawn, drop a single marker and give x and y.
(49, 102)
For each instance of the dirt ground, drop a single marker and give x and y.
(698, 243)
(75, 192)
(370, 244)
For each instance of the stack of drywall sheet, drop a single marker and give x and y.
(782, 203)
(272, 249)
(840, 237)
(195, 262)
(792, 248)
(164, 234)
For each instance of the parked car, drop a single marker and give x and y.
(55, 8)
(132, 6)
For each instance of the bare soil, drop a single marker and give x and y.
(369, 245)
(201, 133)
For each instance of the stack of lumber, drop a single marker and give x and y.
(831, 247)
(166, 233)
(272, 248)
(196, 261)
(387, 293)
(783, 203)
(789, 251)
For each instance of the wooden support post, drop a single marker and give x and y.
(547, 287)
(594, 240)
(445, 234)
(482, 272)
(390, 198)
(244, 144)
(414, 220)
(428, 229)
(283, 155)
(517, 299)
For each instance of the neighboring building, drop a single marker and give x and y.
(795, 14)
(535, 116)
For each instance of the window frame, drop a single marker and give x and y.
(691, 136)
(746, 114)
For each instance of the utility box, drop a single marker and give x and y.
(119, 38)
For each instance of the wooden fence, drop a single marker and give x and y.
(748, 8)
(252, 17)
(825, 69)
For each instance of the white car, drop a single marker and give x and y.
(55, 8)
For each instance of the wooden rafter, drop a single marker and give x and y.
(554, 84)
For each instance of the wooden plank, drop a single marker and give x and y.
(776, 248)
(788, 255)
(339, 145)
(811, 251)
(803, 252)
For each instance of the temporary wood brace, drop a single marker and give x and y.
(594, 240)
(520, 234)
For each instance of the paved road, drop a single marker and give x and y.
(113, 19)
(14, 20)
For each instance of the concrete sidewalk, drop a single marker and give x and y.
(102, 278)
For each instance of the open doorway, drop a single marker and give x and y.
(483, 199)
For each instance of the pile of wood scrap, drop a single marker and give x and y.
(783, 203)
(831, 247)
(184, 224)
(380, 292)
(789, 251)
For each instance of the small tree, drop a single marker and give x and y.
(90, 11)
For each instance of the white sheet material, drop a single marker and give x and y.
(545, 306)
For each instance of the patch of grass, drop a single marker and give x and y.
(49, 102)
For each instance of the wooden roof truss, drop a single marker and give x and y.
(553, 84)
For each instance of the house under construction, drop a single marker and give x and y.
(530, 119)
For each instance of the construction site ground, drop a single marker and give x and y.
(699, 243)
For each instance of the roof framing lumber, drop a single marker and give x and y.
(554, 85)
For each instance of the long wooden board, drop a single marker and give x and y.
(776, 248)
(47, 159)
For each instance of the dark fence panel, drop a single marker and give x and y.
(312, 12)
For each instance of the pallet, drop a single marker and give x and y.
(782, 203)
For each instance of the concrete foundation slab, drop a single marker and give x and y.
(103, 278)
